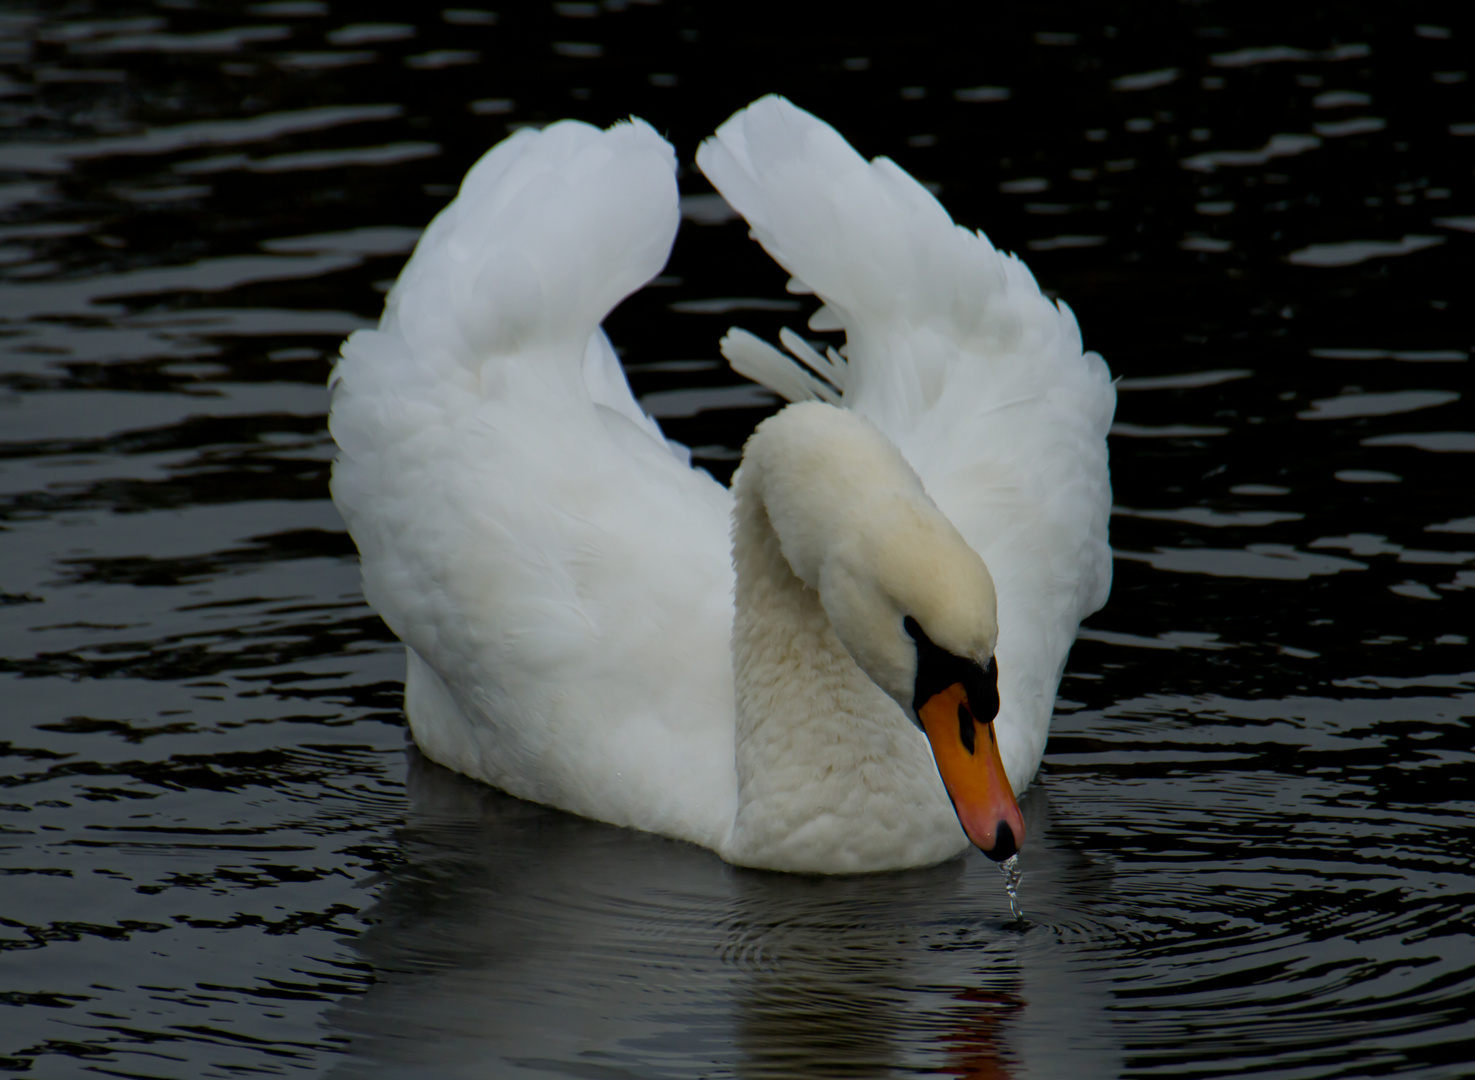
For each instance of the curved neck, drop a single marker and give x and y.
(822, 752)
(787, 661)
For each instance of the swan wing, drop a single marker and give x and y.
(954, 353)
(557, 570)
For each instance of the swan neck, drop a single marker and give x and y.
(832, 777)
(782, 638)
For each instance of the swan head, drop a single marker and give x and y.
(911, 602)
(914, 606)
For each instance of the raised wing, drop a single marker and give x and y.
(953, 352)
(559, 573)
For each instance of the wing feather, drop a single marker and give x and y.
(559, 573)
(952, 350)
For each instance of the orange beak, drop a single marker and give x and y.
(967, 756)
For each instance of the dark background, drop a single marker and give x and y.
(1250, 835)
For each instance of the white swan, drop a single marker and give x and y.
(563, 579)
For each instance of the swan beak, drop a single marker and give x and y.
(967, 756)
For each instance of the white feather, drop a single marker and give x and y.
(559, 574)
(953, 352)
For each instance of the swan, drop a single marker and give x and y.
(846, 663)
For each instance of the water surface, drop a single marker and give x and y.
(1249, 842)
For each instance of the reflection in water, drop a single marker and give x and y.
(974, 1051)
(1249, 852)
(840, 978)
(516, 939)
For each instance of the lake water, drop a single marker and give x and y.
(1250, 842)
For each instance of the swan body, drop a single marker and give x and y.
(593, 624)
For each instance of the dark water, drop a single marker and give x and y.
(1251, 839)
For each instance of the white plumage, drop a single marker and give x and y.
(563, 579)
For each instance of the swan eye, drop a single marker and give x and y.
(937, 669)
(983, 692)
(965, 727)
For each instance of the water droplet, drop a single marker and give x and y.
(1012, 874)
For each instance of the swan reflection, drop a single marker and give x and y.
(512, 940)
